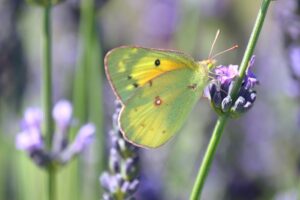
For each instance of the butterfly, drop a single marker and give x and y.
(157, 89)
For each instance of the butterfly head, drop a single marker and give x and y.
(209, 64)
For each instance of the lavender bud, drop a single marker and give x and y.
(119, 180)
(226, 104)
(104, 180)
(239, 105)
(107, 197)
(125, 187)
(84, 137)
(29, 140)
(114, 161)
(113, 185)
(122, 146)
(62, 114)
(131, 167)
(114, 140)
(217, 99)
(115, 121)
(133, 186)
(33, 118)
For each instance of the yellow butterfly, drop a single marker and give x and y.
(157, 89)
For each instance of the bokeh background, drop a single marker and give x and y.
(259, 155)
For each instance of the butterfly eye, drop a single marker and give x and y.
(157, 62)
(129, 77)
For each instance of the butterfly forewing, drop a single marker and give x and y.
(130, 68)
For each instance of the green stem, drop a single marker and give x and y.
(47, 94)
(250, 47)
(222, 120)
(208, 157)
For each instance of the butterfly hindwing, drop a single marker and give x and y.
(130, 68)
(158, 110)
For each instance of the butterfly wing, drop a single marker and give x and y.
(157, 111)
(131, 68)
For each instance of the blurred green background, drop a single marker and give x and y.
(259, 155)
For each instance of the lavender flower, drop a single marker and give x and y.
(220, 88)
(30, 138)
(121, 181)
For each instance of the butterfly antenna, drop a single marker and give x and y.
(230, 49)
(214, 42)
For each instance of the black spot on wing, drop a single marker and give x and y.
(157, 62)
(135, 85)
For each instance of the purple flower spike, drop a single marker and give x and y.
(121, 178)
(250, 79)
(220, 89)
(84, 137)
(226, 74)
(29, 140)
(62, 114)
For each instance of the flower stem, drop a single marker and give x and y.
(250, 47)
(47, 94)
(222, 120)
(208, 157)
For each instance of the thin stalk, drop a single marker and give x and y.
(250, 47)
(222, 120)
(47, 95)
(208, 157)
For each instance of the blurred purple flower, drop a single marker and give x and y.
(33, 118)
(30, 138)
(289, 18)
(162, 14)
(84, 137)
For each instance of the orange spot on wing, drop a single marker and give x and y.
(158, 101)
